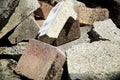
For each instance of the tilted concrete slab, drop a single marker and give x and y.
(23, 10)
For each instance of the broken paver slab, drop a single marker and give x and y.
(56, 21)
(23, 10)
(89, 15)
(43, 10)
(106, 30)
(70, 32)
(39, 59)
(28, 29)
(94, 61)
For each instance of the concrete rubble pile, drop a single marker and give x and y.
(59, 40)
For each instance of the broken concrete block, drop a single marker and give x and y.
(106, 30)
(56, 20)
(26, 30)
(43, 10)
(70, 32)
(22, 11)
(40, 61)
(94, 61)
(89, 15)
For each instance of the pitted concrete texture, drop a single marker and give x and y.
(107, 30)
(94, 61)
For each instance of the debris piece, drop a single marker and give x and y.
(94, 61)
(28, 29)
(70, 32)
(106, 30)
(56, 20)
(39, 60)
(23, 10)
(84, 38)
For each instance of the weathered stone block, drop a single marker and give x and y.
(23, 10)
(26, 30)
(56, 21)
(94, 61)
(43, 10)
(106, 30)
(39, 60)
(89, 15)
(70, 32)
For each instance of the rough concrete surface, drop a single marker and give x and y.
(94, 61)
(106, 30)
(26, 30)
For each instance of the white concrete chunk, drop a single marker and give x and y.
(57, 19)
(107, 30)
(94, 61)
